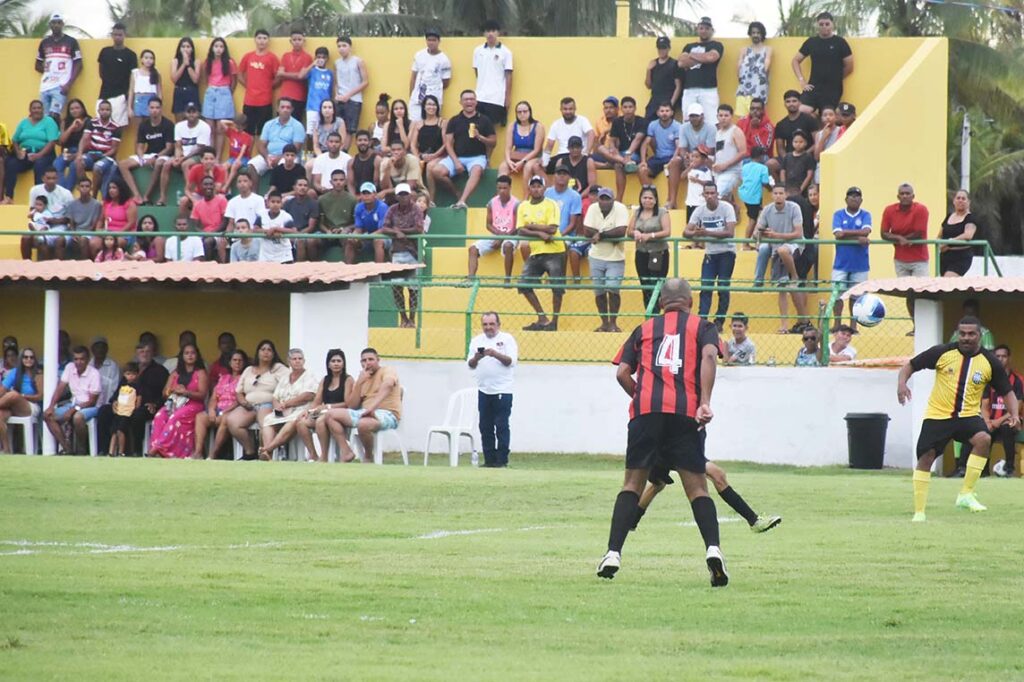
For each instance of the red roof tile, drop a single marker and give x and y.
(939, 285)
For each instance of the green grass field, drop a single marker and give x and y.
(138, 569)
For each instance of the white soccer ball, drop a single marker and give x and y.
(869, 310)
(999, 468)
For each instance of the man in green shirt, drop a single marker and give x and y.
(336, 214)
(972, 308)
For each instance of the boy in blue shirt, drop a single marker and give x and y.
(321, 87)
(368, 216)
(851, 262)
(754, 176)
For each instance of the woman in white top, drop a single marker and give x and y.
(292, 397)
(256, 395)
(825, 138)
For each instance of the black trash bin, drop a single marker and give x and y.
(865, 433)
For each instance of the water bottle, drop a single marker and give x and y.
(475, 459)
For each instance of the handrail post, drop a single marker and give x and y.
(470, 308)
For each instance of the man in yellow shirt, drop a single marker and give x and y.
(538, 218)
(963, 370)
(605, 224)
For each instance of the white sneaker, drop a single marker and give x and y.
(765, 523)
(716, 566)
(609, 565)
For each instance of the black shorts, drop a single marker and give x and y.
(497, 113)
(956, 261)
(660, 473)
(753, 210)
(669, 440)
(255, 117)
(805, 261)
(536, 266)
(936, 433)
(822, 96)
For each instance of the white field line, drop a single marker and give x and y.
(79, 548)
(438, 534)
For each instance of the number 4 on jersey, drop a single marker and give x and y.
(668, 354)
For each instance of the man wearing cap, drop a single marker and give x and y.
(468, 138)
(609, 112)
(605, 224)
(277, 132)
(431, 74)
(538, 218)
(851, 264)
(663, 135)
(696, 133)
(570, 217)
(116, 63)
(369, 215)
(191, 136)
(569, 125)
(492, 62)
(846, 114)
(622, 146)
(700, 61)
(59, 59)
(582, 168)
(903, 222)
(98, 149)
(325, 164)
(664, 79)
(831, 62)
(403, 220)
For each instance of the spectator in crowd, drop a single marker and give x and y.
(431, 73)
(570, 212)
(807, 258)
(206, 168)
(180, 248)
(350, 79)
(284, 174)
(730, 150)
(98, 150)
(757, 129)
(292, 73)
(38, 217)
(851, 265)
(109, 250)
(185, 337)
(582, 169)
(740, 349)
(59, 59)
(972, 308)
(846, 115)
(64, 349)
(605, 223)
(274, 223)
(70, 138)
(277, 134)
(997, 414)
(208, 216)
(700, 61)
(809, 354)
(191, 136)
(797, 167)
(492, 63)
(337, 212)
(85, 214)
(54, 218)
(375, 405)
(116, 65)
(794, 120)
(664, 79)
(154, 148)
(185, 76)
(840, 349)
(752, 68)
(403, 220)
(146, 246)
(603, 127)
(368, 215)
(824, 138)
(321, 120)
(257, 72)
(382, 110)
(221, 74)
(398, 126)
(244, 249)
(714, 221)
(223, 398)
(621, 149)
(83, 382)
(754, 177)
(32, 147)
(240, 145)
(226, 345)
(696, 133)
(110, 373)
(144, 85)
(492, 357)
(255, 395)
(501, 222)
(397, 168)
(523, 144)
(649, 226)
(698, 173)
(831, 62)
(325, 164)
(426, 139)
(22, 392)
(333, 393)
(320, 123)
(174, 426)
(364, 166)
(569, 125)
(11, 361)
(961, 225)
(246, 205)
(539, 219)
(903, 222)
(782, 220)
(663, 135)
(468, 139)
(120, 213)
(304, 209)
(292, 398)
(149, 385)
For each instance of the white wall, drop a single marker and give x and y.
(319, 321)
(780, 415)
(1010, 266)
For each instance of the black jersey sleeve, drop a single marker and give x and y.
(927, 359)
(1000, 381)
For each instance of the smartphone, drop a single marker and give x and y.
(278, 413)
(480, 350)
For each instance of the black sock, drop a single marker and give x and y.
(733, 499)
(640, 511)
(707, 519)
(626, 505)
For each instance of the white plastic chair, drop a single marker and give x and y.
(29, 426)
(94, 449)
(255, 428)
(378, 446)
(459, 422)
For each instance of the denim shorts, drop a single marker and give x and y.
(387, 419)
(607, 275)
(140, 104)
(218, 104)
(53, 101)
(88, 413)
(468, 162)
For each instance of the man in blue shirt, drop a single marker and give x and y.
(368, 216)
(277, 132)
(851, 262)
(663, 134)
(320, 87)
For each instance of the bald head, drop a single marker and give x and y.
(676, 293)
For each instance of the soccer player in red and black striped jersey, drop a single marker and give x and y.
(674, 359)
(996, 412)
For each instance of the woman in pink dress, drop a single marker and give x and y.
(120, 212)
(223, 399)
(174, 425)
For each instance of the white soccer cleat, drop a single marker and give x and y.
(970, 502)
(609, 565)
(765, 523)
(919, 517)
(716, 566)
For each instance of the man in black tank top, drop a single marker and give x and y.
(664, 79)
(364, 166)
(581, 166)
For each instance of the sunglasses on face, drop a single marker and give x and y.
(810, 338)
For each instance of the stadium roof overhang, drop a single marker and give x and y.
(939, 288)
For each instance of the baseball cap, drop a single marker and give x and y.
(611, 98)
(289, 148)
(604, 192)
(846, 108)
(57, 16)
(191, 106)
(403, 188)
(432, 33)
(367, 187)
(854, 191)
(663, 43)
(98, 339)
(575, 141)
(562, 168)
(705, 21)
(695, 110)
(539, 179)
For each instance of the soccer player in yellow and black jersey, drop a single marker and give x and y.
(963, 370)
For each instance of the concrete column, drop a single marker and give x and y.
(51, 335)
(928, 332)
(621, 18)
(319, 321)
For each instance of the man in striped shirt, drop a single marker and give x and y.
(98, 150)
(996, 413)
(673, 357)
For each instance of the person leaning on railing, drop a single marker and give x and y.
(649, 225)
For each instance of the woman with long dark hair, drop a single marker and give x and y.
(185, 76)
(70, 138)
(649, 226)
(174, 426)
(120, 214)
(21, 394)
(334, 392)
(256, 394)
(961, 225)
(221, 75)
(223, 399)
(398, 124)
(523, 145)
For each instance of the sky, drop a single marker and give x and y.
(730, 17)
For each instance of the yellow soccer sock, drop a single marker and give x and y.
(922, 479)
(975, 465)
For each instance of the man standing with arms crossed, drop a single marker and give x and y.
(902, 222)
(492, 357)
(674, 358)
